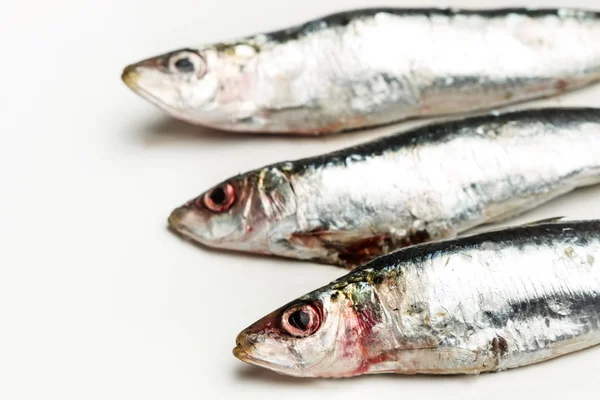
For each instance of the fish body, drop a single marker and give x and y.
(434, 182)
(488, 302)
(374, 66)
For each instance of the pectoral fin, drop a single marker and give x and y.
(351, 249)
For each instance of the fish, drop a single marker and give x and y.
(372, 67)
(483, 303)
(431, 183)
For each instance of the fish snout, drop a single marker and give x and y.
(130, 76)
(177, 221)
(240, 351)
(191, 224)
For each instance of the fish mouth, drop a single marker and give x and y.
(135, 78)
(240, 353)
(174, 220)
(130, 77)
(197, 229)
(176, 225)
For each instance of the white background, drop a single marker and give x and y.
(97, 299)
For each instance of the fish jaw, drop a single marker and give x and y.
(199, 227)
(241, 354)
(245, 349)
(153, 86)
(189, 95)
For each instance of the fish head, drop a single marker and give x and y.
(242, 213)
(322, 334)
(211, 86)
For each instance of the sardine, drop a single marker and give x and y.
(370, 67)
(488, 302)
(431, 183)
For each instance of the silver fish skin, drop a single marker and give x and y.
(434, 182)
(483, 303)
(374, 66)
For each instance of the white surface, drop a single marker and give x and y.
(97, 299)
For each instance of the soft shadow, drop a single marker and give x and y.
(169, 130)
(243, 254)
(166, 129)
(252, 373)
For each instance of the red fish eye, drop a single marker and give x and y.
(220, 198)
(301, 320)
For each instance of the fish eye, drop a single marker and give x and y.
(187, 62)
(220, 198)
(301, 320)
(184, 65)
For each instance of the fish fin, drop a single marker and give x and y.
(502, 212)
(351, 249)
(503, 217)
(544, 221)
(343, 248)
